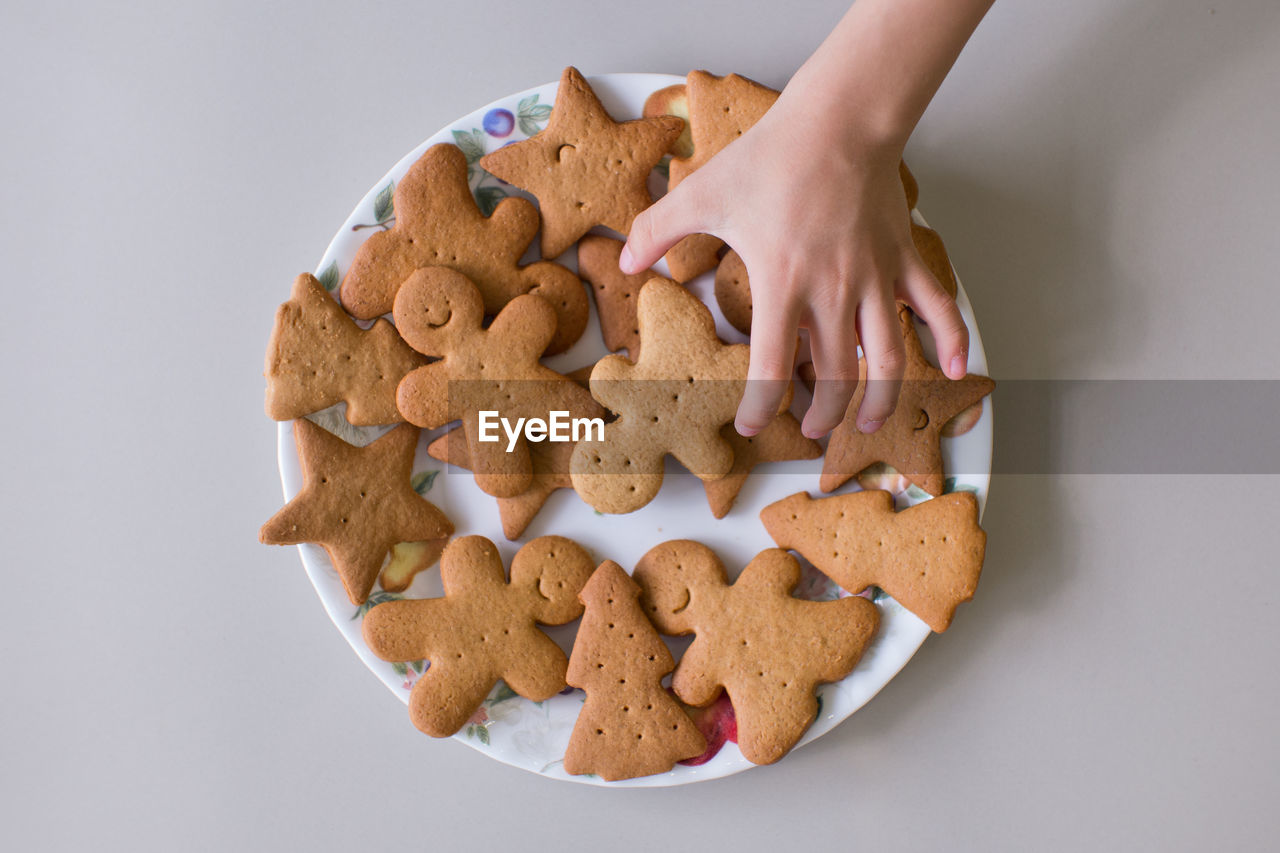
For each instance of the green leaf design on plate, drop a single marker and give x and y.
(916, 493)
(329, 278)
(373, 601)
(384, 204)
(488, 198)
(501, 693)
(952, 486)
(423, 481)
(531, 115)
(400, 668)
(877, 594)
(472, 144)
(418, 665)
(478, 732)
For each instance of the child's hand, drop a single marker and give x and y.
(811, 199)
(822, 225)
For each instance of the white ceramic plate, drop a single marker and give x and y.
(532, 735)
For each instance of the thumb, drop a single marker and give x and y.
(660, 226)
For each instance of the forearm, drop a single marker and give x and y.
(878, 69)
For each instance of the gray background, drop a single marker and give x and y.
(1105, 175)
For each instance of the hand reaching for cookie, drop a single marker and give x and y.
(826, 240)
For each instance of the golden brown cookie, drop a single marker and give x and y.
(910, 440)
(439, 312)
(933, 252)
(357, 502)
(675, 399)
(629, 725)
(720, 110)
(928, 557)
(733, 292)
(439, 224)
(484, 628)
(585, 168)
(550, 472)
(672, 101)
(318, 356)
(767, 650)
(780, 441)
(617, 293)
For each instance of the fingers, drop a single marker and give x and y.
(774, 322)
(833, 343)
(661, 225)
(886, 359)
(939, 311)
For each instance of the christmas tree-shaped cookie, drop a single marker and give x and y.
(318, 356)
(629, 726)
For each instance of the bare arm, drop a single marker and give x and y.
(826, 240)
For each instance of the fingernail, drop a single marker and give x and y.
(868, 427)
(625, 263)
(744, 430)
(958, 366)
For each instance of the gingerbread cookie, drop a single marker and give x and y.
(928, 557)
(318, 356)
(672, 101)
(933, 252)
(629, 725)
(484, 628)
(617, 293)
(357, 502)
(767, 650)
(910, 440)
(550, 462)
(439, 224)
(780, 441)
(584, 168)
(675, 399)
(733, 292)
(439, 312)
(720, 110)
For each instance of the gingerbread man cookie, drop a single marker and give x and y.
(675, 399)
(439, 224)
(439, 312)
(484, 628)
(767, 650)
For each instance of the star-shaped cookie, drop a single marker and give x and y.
(550, 460)
(439, 224)
(357, 502)
(910, 440)
(585, 168)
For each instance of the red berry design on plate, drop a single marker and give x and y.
(499, 123)
(718, 724)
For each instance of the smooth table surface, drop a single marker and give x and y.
(1104, 175)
